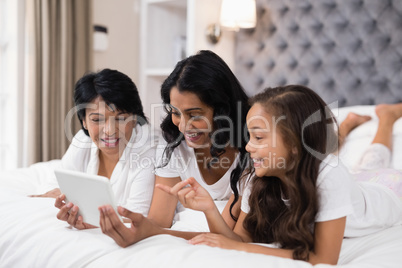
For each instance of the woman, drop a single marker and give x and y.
(113, 142)
(206, 109)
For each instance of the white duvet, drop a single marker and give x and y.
(31, 235)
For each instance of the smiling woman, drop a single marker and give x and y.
(114, 129)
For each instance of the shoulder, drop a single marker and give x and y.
(143, 139)
(81, 140)
(333, 172)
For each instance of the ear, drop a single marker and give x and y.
(84, 124)
(294, 150)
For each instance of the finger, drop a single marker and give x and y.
(183, 193)
(79, 224)
(72, 218)
(109, 227)
(176, 188)
(63, 212)
(193, 182)
(164, 188)
(134, 217)
(201, 238)
(190, 196)
(59, 201)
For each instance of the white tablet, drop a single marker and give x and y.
(86, 191)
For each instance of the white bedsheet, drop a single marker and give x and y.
(31, 235)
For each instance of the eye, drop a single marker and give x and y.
(120, 118)
(174, 113)
(195, 116)
(97, 120)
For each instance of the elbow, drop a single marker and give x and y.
(314, 259)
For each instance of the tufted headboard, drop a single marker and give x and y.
(348, 51)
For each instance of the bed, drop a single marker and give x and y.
(31, 235)
(294, 42)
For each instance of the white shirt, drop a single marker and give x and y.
(183, 164)
(132, 179)
(368, 207)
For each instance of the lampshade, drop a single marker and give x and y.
(237, 14)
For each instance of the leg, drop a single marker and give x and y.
(351, 121)
(387, 116)
(378, 154)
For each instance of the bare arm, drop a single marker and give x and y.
(328, 237)
(163, 205)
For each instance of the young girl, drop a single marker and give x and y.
(298, 196)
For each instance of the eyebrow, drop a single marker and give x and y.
(189, 109)
(99, 114)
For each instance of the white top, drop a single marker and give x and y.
(368, 207)
(132, 179)
(183, 164)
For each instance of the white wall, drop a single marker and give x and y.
(121, 17)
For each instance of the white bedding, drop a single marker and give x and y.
(31, 235)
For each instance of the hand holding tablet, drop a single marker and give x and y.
(86, 191)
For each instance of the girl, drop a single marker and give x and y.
(113, 139)
(298, 195)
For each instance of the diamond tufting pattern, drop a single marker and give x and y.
(348, 51)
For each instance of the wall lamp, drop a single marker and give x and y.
(234, 14)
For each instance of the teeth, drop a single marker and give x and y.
(192, 135)
(255, 160)
(110, 141)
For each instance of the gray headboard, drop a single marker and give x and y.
(346, 50)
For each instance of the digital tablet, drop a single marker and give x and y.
(86, 191)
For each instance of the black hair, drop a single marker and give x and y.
(114, 88)
(206, 75)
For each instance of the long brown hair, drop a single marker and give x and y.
(309, 126)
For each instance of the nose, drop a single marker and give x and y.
(249, 147)
(180, 122)
(110, 127)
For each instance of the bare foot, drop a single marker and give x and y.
(351, 122)
(391, 112)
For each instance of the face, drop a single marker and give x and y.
(192, 116)
(109, 128)
(266, 145)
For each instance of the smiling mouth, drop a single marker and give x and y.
(257, 162)
(192, 136)
(110, 142)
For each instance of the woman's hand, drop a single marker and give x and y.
(193, 197)
(52, 193)
(111, 225)
(215, 240)
(69, 213)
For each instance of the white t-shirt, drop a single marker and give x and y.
(132, 179)
(183, 164)
(368, 207)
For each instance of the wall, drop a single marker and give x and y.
(121, 17)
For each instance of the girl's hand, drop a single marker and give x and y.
(193, 197)
(111, 225)
(215, 240)
(69, 213)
